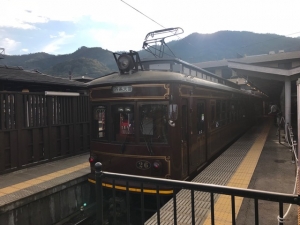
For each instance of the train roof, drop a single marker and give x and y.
(158, 77)
(168, 71)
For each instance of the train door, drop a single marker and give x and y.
(184, 138)
(197, 135)
(201, 132)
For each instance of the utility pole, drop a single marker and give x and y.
(2, 53)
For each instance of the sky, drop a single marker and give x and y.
(61, 27)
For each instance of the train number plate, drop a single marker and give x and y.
(121, 89)
(143, 165)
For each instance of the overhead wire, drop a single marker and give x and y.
(152, 20)
(232, 50)
(143, 14)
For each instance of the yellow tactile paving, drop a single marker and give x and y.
(41, 179)
(240, 179)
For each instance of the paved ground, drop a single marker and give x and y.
(274, 172)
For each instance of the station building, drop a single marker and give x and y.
(274, 74)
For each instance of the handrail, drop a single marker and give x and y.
(279, 123)
(289, 138)
(256, 195)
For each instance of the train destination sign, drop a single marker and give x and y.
(121, 89)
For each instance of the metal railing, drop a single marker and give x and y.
(288, 137)
(256, 195)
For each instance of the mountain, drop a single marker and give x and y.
(95, 62)
(80, 66)
(229, 44)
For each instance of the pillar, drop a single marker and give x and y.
(287, 102)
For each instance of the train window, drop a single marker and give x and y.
(212, 115)
(193, 73)
(218, 113)
(223, 113)
(228, 111)
(123, 123)
(153, 123)
(233, 112)
(173, 111)
(99, 122)
(200, 118)
(186, 71)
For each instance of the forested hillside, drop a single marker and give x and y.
(95, 62)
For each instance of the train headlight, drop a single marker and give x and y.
(127, 109)
(157, 165)
(125, 62)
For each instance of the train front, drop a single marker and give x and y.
(130, 128)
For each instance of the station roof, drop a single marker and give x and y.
(258, 70)
(18, 74)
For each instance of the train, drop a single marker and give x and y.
(164, 118)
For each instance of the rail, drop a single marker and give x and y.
(193, 187)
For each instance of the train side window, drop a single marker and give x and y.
(218, 113)
(200, 118)
(228, 109)
(153, 123)
(233, 112)
(223, 113)
(212, 115)
(99, 122)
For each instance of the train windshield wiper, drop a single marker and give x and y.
(123, 146)
(148, 143)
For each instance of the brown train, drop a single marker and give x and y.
(164, 118)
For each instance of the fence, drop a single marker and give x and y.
(193, 187)
(35, 128)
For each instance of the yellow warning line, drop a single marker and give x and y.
(41, 179)
(241, 179)
(132, 189)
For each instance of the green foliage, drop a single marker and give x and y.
(101, 62)
(80, 67)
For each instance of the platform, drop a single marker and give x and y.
(255, 161)
(28, 188)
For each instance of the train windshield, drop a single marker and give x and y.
(146, 125)
(123, 120)
(153, 123)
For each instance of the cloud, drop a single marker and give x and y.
(9, 45)
(18, 16)
(117, 40)
(59, 40)
(122, 25)
(24, 50)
